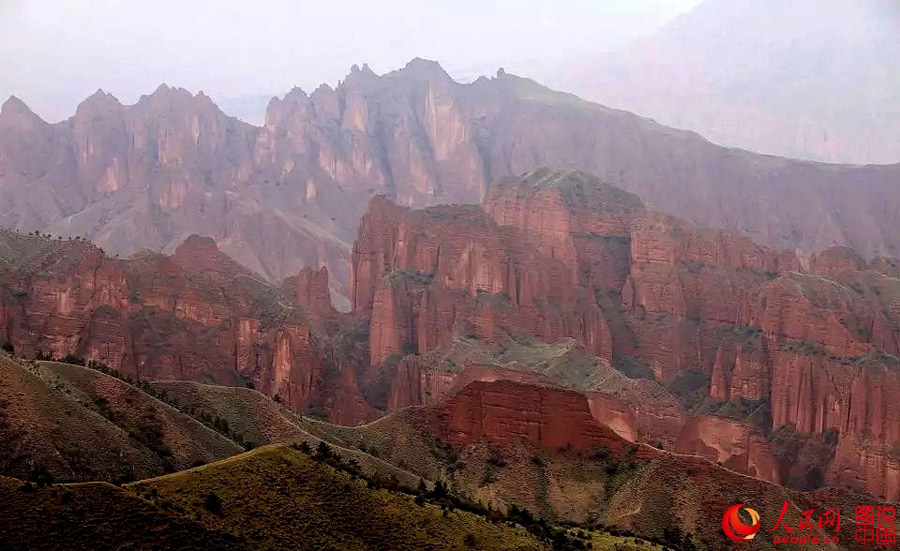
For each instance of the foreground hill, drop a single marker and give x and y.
(42, 427)
(289, 194)
(271, 498)
(500, 445)
(96, 516)
(77, 424)
(278, 498)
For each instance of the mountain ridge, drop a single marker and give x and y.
(289, 194)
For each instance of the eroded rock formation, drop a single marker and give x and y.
(289, 194)
(195, 315)
(719, 324)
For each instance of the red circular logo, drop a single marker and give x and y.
(735, 529)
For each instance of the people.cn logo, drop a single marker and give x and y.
(735, 529)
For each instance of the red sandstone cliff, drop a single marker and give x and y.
(733, 444)
(504, 412)
(196, 315)
(754, 333)
(289, 194)
(424, 275)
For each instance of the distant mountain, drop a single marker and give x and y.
(290, 194)
(812, 79)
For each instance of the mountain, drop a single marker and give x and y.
(791, 359)
(290, 194)
(807, 79)
(693, 339)
(195, 315)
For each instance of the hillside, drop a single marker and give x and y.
(278, 499)
(44, 428)
(178, 438)
(96, 516)
(260, 421)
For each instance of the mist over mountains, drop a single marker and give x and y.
(807, 78)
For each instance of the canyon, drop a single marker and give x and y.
(733, 351)
(289, 194)
(618, 324)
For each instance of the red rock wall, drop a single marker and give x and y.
(453, 269)
(691, 299)
(506, 412)
(733, 444)
(197, 315)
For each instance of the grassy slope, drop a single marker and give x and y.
(261, 421)
(279, 498)
(181, 440)
(644, 496)
(40, 425)
(93, 517)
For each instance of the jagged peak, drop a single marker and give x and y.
(15, 105)
(323, 89)
(99, 98)
(358, 74)
(201, 254)
(166, 92)
(197, 242)
(296, 93)
(16, 109)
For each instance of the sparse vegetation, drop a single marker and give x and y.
(632, 368)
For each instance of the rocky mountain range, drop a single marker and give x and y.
(695, 340)
(290, 194)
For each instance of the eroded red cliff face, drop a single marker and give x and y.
(735, 445)
(196, 315)
(504, 412)
(720, 321)
(423, 275)
(289, 194)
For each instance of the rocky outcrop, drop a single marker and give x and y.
(822, 313)
(721, 324)
(730, 443)
(505, 412)
(424, 276)
(832, 262)
(196, 315)
(817, 394)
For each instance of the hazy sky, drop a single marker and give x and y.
(55, 53)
